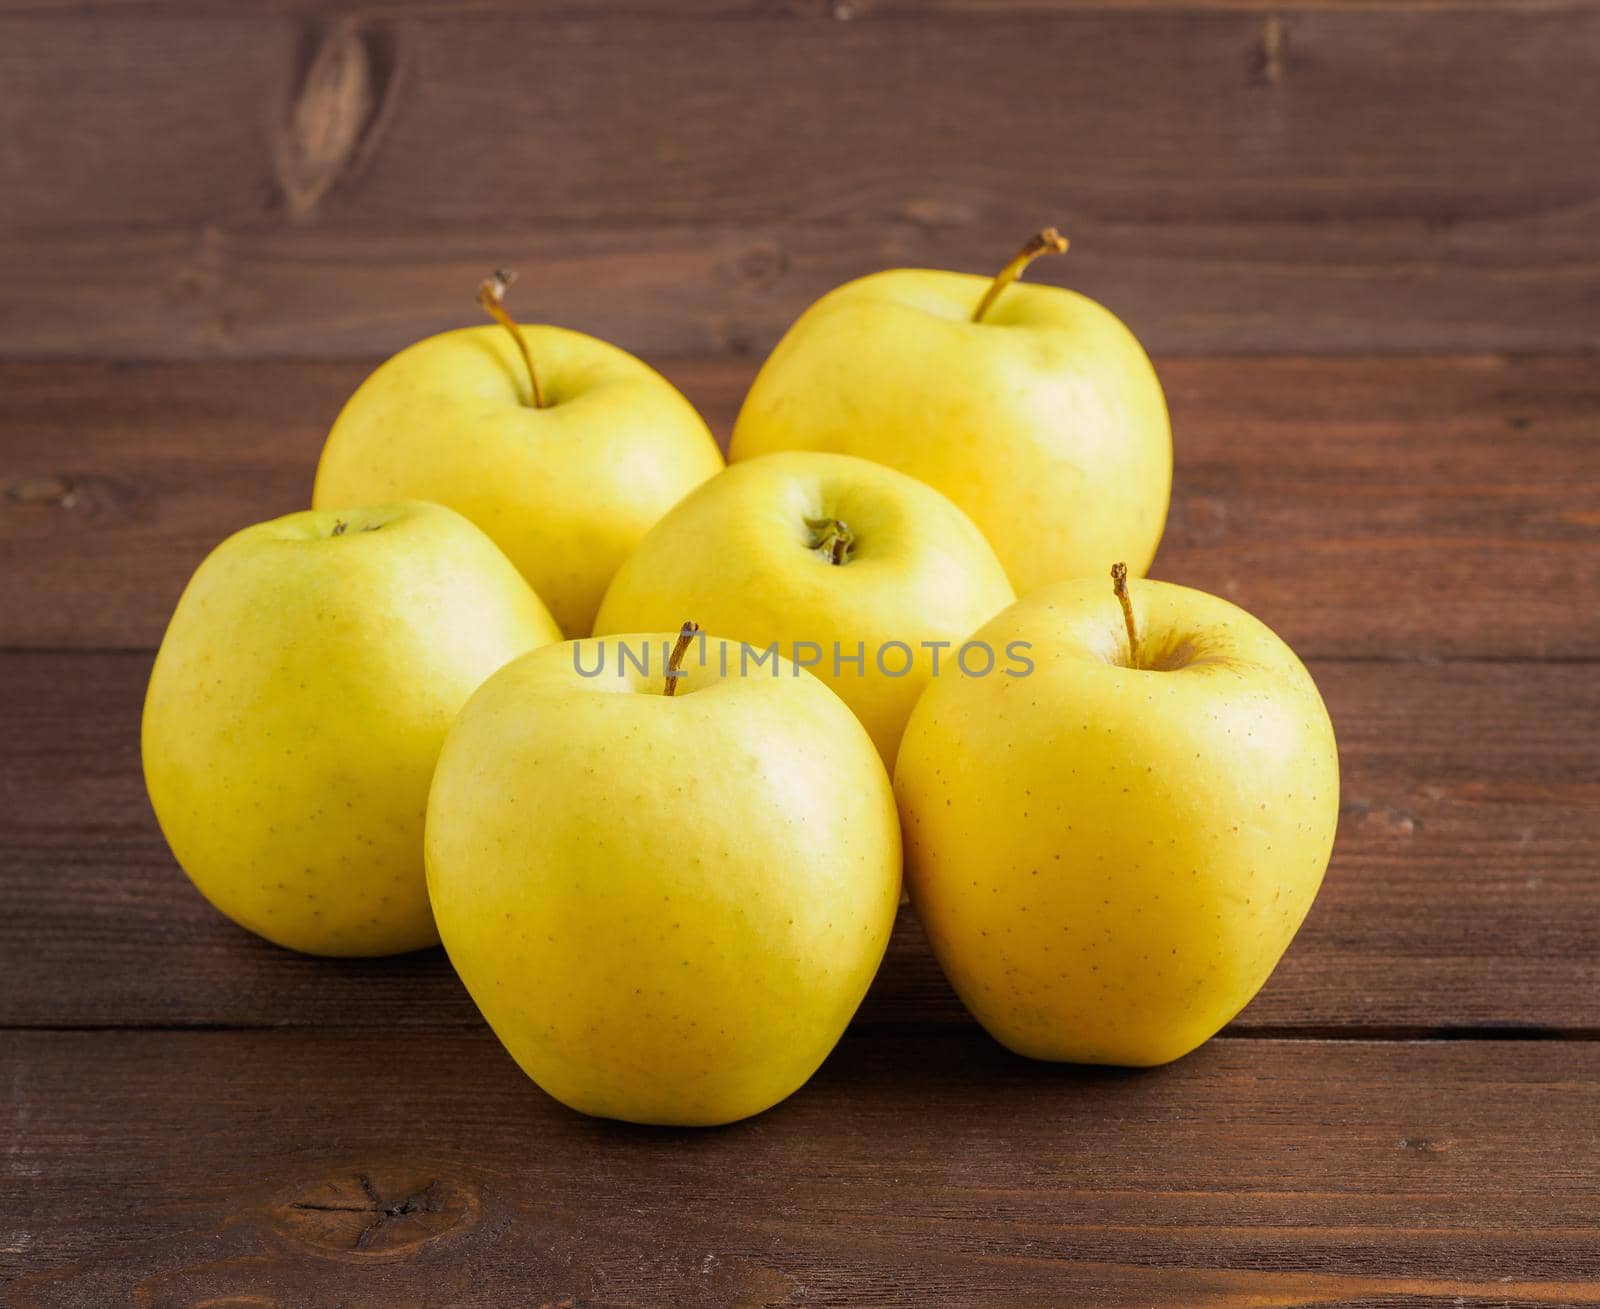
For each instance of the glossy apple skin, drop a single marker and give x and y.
(1110, 861)
(1045, 422)
(667, 908)
(737, 554)
(567, 491)
(297, 706)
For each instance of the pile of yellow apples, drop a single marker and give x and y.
(542, 678)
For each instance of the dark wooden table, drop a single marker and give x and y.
(1408, 1114)
(1363, 241)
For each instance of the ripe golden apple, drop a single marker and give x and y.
(667, 906)
(1110, 854)
(1032, 407)
(868, 577)
(297, 706)
(564, 449)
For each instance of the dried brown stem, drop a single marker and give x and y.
(686, 634)
(1119, 583)
(491, 295)
(1047, 242)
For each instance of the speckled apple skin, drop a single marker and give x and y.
(1045, 422)
(1110, 861)
(297, 706)
(738, 554)
(668, 908)
(567, 491)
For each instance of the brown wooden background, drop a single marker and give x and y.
(1363, 241)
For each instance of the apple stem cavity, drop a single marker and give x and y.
(1119, 584)
(832, 539)
(491, 295)
(686, 634)
(1047, 242)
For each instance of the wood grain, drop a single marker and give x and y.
(267, 181)
(1432, 507)
(1462, 894)
(350, 1167)
(800, 10)
(1405, 1116)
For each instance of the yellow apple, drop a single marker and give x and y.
(1110, 854)
(565, 465)
(868, 577)
(1032, 407)
(297, 706)
(667, 906)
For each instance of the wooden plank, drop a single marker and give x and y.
(799, 10)
(1406, 508)
(1463, 893)
(322, 1168)
(238, 180)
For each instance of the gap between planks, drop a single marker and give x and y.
(1356, 1034)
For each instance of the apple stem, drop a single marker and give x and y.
(685, 635)
(491, 295)
(1119, 583)
(1047, 242)
(832, 536)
